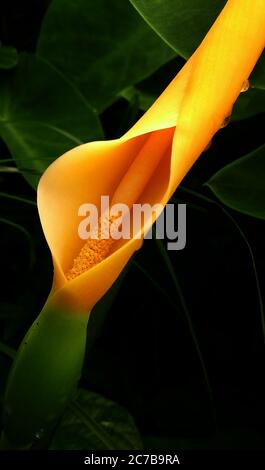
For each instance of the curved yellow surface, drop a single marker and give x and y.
(195, 104)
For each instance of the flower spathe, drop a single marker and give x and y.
(195, 104)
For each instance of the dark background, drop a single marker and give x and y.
(144, 356)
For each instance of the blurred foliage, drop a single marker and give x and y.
(37, 130)
(240, 184)
(181, 24)
(92, 423)
(106, 39)
(178, 339)
(8, 57)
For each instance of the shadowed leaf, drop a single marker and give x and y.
(104, 46)
(42, 115)
(8, 57)
(240, 185)
(92, 422)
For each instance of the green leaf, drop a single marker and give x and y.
(92, 422)
(148, 90)
(42, 115)
(8, 57)
(249, 104)
(145, 99)
(240, 185)
(103, 46)
(183, 24)
(258, 74)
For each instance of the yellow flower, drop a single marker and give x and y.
(163, 144)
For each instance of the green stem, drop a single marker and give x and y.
(44, 376)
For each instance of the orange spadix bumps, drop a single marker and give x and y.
(148, 162)
(128, 192)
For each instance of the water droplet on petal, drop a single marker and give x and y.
(226, 121)
(208, 146)
(245, 86)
